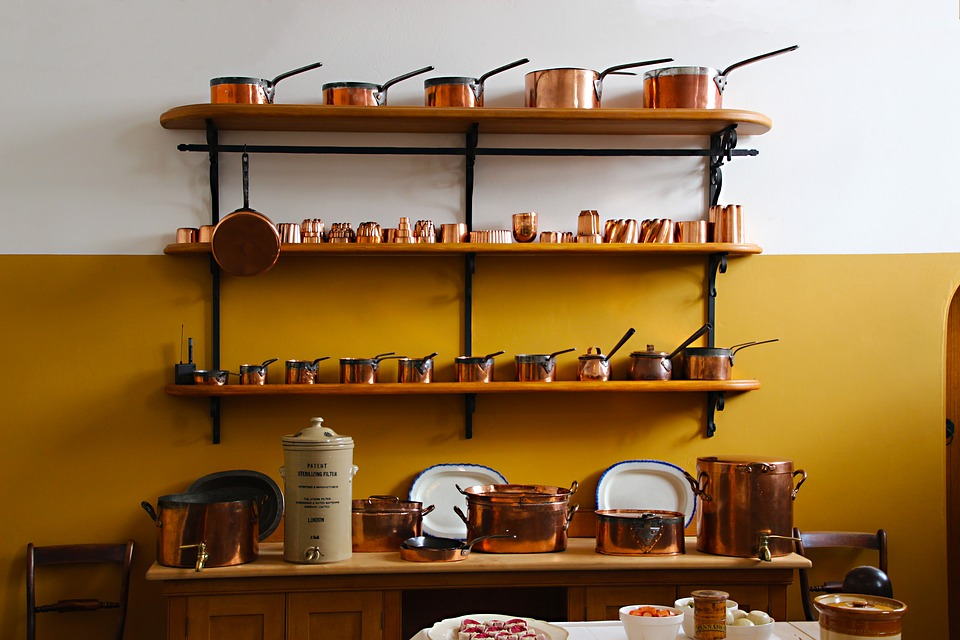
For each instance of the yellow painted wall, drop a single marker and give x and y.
(853, 393)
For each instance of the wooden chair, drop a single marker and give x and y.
(121, 554)
(835, 540)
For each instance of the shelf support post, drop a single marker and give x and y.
(717, 265)
(469, 407)
(213, 142)
(722, 145)
(714, 404)
(470, 267)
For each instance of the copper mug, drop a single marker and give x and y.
(255, 373)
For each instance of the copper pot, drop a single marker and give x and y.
(631, 532)
(363, 370)
(255, 373)
(570, 88)
(473, 369)
(746, 505)
(211, 377)
(537, 367)
(692, 87)
(415, 369)
(382, 523)
(711, 363)
(456, 91)
(537, 515)
(302, 371)
(595, 367)
(215, 528)
(658, 365)
(363, 93)
(243, 90)
(431, 549)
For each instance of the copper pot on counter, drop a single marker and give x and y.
(746, 507)
(456, 91)
(382, 523)
(216, 528)
(571, 88)
(538, 515)
(633, 532)
(243, 90)
(363, 93)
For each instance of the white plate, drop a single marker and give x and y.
(437, 485)
(446, 629)
(647, 484)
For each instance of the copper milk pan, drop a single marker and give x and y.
(537, 367)
(571, 88)
(692, 87)
(242, 90)
(745, 499)
(255, 373)
(474, 369)
(362, 370)
(595, 367)
(302, 371)
(632, 532)
(712, 363)
(415, 369)
(215, 528)
(245, 242)
(363, 93)
(382, 523)
(456, 91)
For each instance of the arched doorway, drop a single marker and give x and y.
(953, 465)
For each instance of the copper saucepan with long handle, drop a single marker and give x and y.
(538, 367)
(244, 90)
(458, 91)
(693, 87)
(430, 549)
(475, 369)
(363, 93)
(571, 88)
(712, 363)
(595, 367)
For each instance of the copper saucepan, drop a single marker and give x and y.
(302, 371)
(595, 367)
(255, 373)
(571, 88)
(475, 369)
(416, 369)
(245, 242)
(712, 363)
(430, 549)
(457, 91)
(243, 90)
(692, 87)
(363, 370)
(658, 365)
(382, 523)
(538, 367)
(363, 93)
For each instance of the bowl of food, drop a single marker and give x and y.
(756, 625)
(686, 605)
(651, 621)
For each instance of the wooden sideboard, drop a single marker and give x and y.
(377, 596)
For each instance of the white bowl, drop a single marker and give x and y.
(756, 632)
(686, 605)
(641, 628)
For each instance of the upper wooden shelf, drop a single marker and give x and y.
(532, 248)
(387, 119)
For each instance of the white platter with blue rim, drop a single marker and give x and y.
(647, 484)
(437, 485)
(447, 629)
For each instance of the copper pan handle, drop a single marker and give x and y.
(598, 83)
(798, 472)
(762, 56)
(381, 94)
(506, 67)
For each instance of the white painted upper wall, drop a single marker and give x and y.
(861, 159)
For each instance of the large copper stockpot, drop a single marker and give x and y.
(382, 523)
(692, 87)
(747, 505)
(632, 532)
(538, 515)
(571, 88)
(363, 93)
(458, 91)
(475, 369)
(243, 90)
(216, 528)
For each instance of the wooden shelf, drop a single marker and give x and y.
(533, 248)
(387, 119)
(453, 388)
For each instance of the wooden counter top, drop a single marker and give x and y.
(579, 556)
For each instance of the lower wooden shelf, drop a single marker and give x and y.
(453, 388)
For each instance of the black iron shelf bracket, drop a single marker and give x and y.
(470, 268)
(722, 148)
(716, 265)
(213, 144)
(714, 404)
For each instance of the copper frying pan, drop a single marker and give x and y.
(245, 242)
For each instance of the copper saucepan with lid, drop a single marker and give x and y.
(571, 88)
(458, 91)
(692, 87)
(244, 90)
(363, 93)
(658, 365)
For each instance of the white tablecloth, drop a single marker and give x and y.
(613, 630)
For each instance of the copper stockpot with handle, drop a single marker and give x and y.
(746, 507)
(633, 532)
(538, 515)
(571, 88)
(382, 523)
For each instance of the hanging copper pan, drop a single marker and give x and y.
(245, 242)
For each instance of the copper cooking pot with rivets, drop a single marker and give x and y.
(475, 369)
(595, 367)
(416, 369)
(457, 91)
(365, 94)
(244, 90)
(538, 367)
(571, 88)
(363, 370)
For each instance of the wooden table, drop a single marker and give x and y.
(378, 595)
(609, 630)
